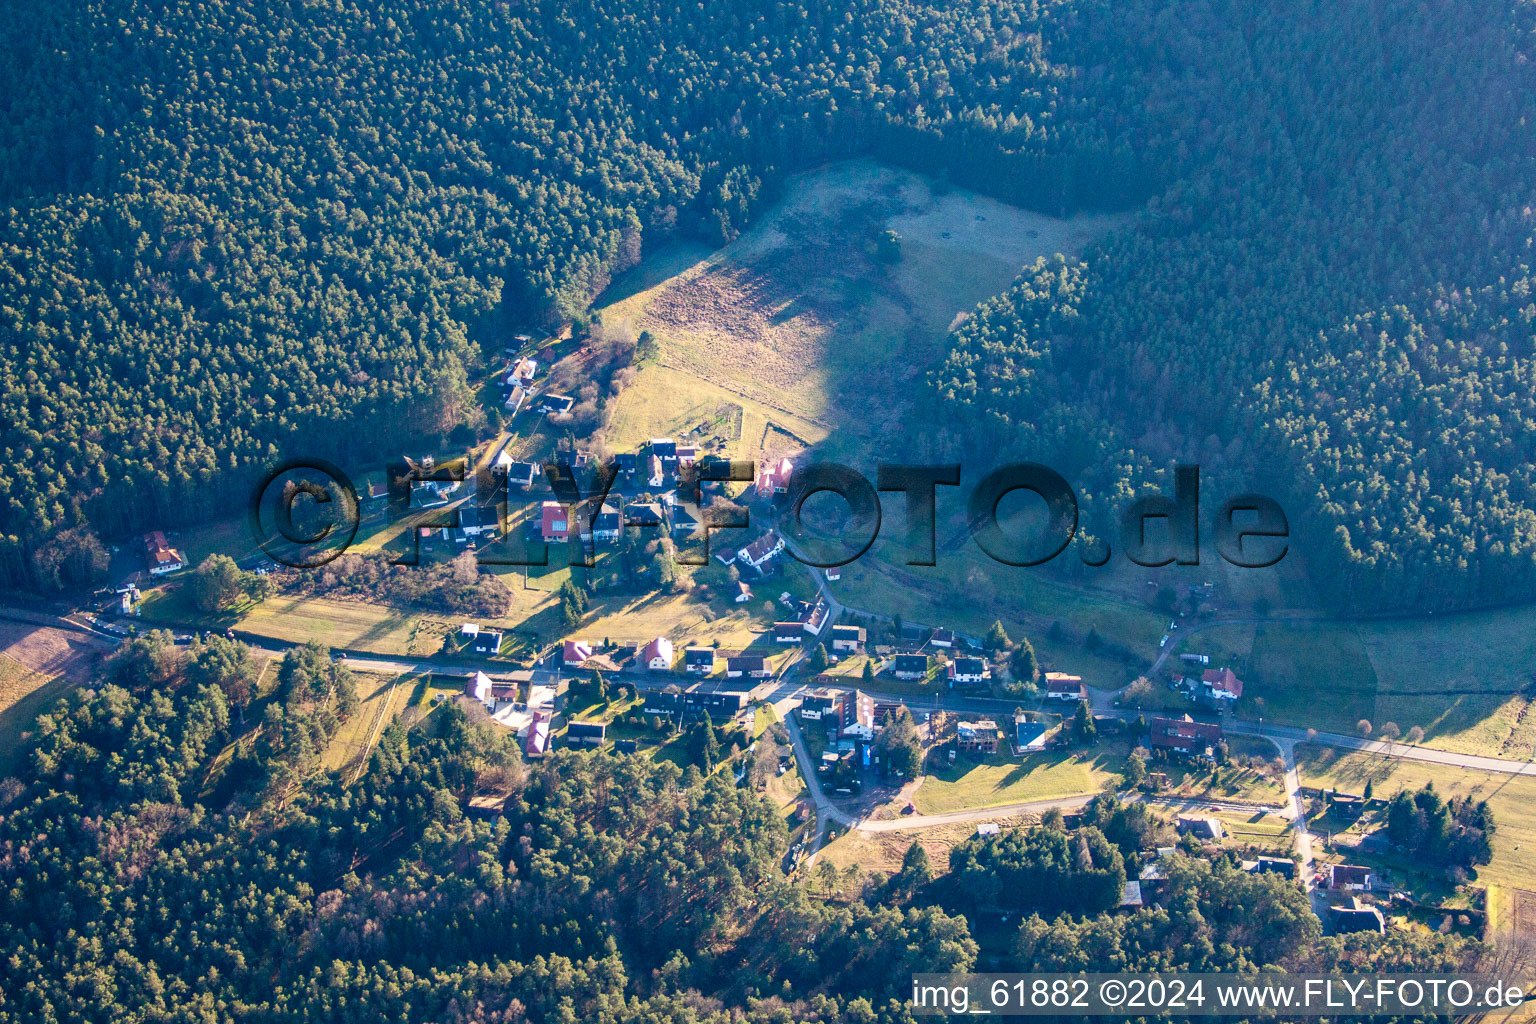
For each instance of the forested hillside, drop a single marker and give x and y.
(1331, 299)
(229, 228)
(145, 875)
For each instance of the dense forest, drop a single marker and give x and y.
(149, 874)
(1331, 297)
(229, 228)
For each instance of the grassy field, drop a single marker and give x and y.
(1263, 833)
(1464, 679)
(383, 698)
(796, 323)
(1513, 799)
(882, 851)
(350, 624)
(24, 694)
(1001, 780)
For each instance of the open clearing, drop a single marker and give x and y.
(882, 851)
(800, 324)
(1000, 780)
(1512, 797)
(38, 665)
(1467, 680)
(383, 697)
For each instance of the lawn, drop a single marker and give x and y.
(1512, 797)
(350, 624)
(999, 780)
(1292, 664)
(1265, 833)
(24, 694)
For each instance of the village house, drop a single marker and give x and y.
(487, 642)
(553, 405)
(1027, 735)
(1184, 736)
(910, 666)
(699, 660)
(480, 688)
(751, 666)
(537, 742)
(968, 672)
(761, 551)
(773, 476)
(159, 557)
(1350, 878)
(944, 638)
(817, 705)
(847, 639)
(1062, 686)
(816, 620)
(608, 524)
(587, 734)
(1205, 829)
(642, 514)
(1274, 865)
(684, 522)
(521, 475)
(788, 632)
(1222, 685)
(743, 592)
(1356, 916)
(554, 522)
(576, 653)
(657, 655)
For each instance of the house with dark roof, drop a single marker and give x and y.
(608, 524)
(486, 642)
(1356, 916)
(942, 638)
(969, 672)
(1350, 877)
(910, 666)
(820, 704)
(553, 405)
(642, 513)
(752, 666)
(788, 632)
(1274, 865)
(1027, 735)
(1207, 829)
(521, 476)
(699, 660)
(684, 522)
(589, 734)
(847, 639)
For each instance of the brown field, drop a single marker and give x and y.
(38, 665)
(882, 851)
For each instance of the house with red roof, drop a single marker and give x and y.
(1224, 685)
(554, 521)
(576, 653)
(657, 655)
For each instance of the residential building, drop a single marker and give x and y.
(587, 734)
(537, 743)
(1356, 916)
(751, 666)
(1062, 686)
(773, 476)
(521, 476)
(1206, 829)
(699, 660)
(910, 666)
(159, 557)
(1027, 735)
(942, 638)
(487, 642)
(1184, 735)
(788, 632)
(554, 522)
(684, 522)
(576, 653)
(761, 551)
(480, 688)
(608, 524)
(642, 513)
(968, 672)
(1222, 685)
(847, 639)
(1350, 878)
(743, 592)
(1274, 865)
(816, 619)
(821, 704)
(657, 655)
(856, 715)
